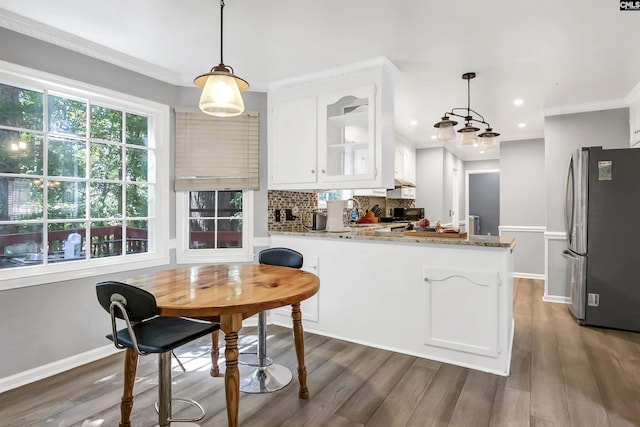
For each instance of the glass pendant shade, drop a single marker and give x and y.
(488, 139)
(446, 132)
(468, 135)
(488, 142)
(221, 96)
(468, 138)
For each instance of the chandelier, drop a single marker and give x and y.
(220, 87)
(468, 133)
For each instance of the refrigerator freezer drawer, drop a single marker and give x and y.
(577, 277)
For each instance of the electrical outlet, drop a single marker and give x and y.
(294, 210)
(288, 214)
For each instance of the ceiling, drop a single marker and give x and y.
(556, 56)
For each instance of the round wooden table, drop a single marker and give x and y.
(227, 293)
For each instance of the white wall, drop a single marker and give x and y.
(429, 185)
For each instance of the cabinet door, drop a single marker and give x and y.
(347, 136)
(292, 142)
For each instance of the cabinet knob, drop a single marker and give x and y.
(313, 171)
(323, 171)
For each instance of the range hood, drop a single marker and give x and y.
(403, 190)
(398, 183)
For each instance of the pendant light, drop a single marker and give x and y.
(221, 88)
(468, 133)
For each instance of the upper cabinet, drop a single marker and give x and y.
(634, 121)
(405, 161)
(333, 130)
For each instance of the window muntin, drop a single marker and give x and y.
(72, 167)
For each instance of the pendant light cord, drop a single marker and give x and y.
(221, 28)
(469, 97)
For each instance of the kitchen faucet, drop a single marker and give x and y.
(356, 206)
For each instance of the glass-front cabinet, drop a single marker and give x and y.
(346, 135)
(333, 129)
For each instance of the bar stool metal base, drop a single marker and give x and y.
(264, 380)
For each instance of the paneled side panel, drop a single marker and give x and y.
(461, 310)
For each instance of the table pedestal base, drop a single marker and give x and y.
(264, 380)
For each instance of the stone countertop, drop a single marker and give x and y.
(378, 233)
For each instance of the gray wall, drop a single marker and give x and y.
(43, 324)
(563, 135)
(522, 185)
(484, 201)
(523, 203)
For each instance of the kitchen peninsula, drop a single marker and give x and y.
(444, 299)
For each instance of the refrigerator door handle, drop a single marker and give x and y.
(569, 203)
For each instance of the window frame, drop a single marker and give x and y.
(185, 255)
(158, 251)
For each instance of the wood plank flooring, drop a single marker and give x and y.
(562, 375)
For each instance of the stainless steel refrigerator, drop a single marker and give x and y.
(602, 214)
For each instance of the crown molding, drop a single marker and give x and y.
(40, 31)
(586, 107)
(633, 95)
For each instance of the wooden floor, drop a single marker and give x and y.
(562, 375)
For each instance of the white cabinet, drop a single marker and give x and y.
(371, 192)
(634, 122)
(402, 193)
(446, 302)
(293, 126)
(332, 130)
(405, 161)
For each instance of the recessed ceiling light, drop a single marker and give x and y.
(434, 136)
(517, 101)
(413, 122)
(522, 125)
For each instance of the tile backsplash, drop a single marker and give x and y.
(308, 202)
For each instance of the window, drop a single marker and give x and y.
(325, 196)
(77, 177)
(216, 226)
(215, 219)
(216, 169)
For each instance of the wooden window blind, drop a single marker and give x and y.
(216, 153)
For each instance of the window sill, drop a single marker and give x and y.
(22, 277)
(213, 257)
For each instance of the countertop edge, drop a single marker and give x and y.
(363, 234)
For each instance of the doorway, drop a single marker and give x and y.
(483, 201)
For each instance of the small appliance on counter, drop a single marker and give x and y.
(318, 221)
(335, 216)
(404, 215)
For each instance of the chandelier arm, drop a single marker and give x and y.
(467, 117)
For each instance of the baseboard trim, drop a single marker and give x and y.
(534, 276)
(59, 366)
(556, 299)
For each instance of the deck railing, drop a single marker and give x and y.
(105, 241)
